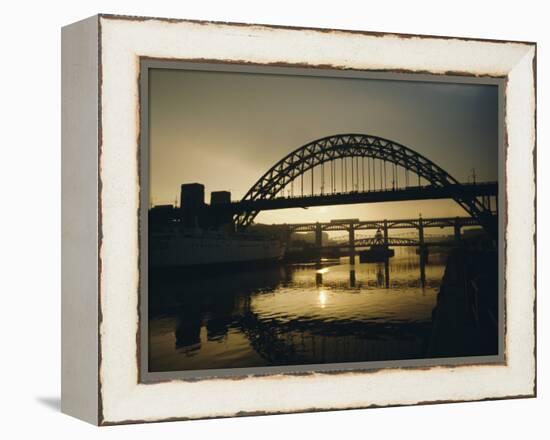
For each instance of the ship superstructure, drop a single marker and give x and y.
(196, 234)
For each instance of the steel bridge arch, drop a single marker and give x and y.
(341, 146)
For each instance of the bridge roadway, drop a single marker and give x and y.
(484, 190)
(364, 225)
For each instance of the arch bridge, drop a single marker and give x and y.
(361, 168)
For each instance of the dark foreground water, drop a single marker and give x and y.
(293, 314)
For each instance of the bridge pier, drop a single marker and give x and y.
(287, 236)
(421, 232)
(385, 233)
(351, 232)
(457, 227)
(423, 251)
(318, 235)
(387, 260)
(318, 240)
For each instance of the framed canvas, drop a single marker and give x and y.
(262, 219)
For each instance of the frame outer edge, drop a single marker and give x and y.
(80, 226)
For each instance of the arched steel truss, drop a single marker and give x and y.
(340, 146)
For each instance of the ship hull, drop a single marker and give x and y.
(178, 250)
(376, 255)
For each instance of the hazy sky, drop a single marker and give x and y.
(227, 129)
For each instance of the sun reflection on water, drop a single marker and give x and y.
(322, 298)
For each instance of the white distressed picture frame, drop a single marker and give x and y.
(101, 201)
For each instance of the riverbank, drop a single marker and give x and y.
(465, 318)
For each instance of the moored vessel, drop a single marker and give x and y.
(178, 248)
(199, 234)
(378, 252)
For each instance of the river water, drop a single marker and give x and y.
(294, 314)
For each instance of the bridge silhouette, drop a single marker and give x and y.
(382, 239)
(360, 168)
(403, 223)
(384, 226)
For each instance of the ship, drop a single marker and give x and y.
(378, 252)
(197, 247)
(198, 234)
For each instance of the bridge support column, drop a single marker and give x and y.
(387, 259)
(457, 231)
(351, 231)
(318, 240)
(421, 232)
(352, 278)
(423, 250)
(287, 236)
(318, 279)
(318, 235)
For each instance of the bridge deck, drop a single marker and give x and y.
(429, 192)
(407, 223)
